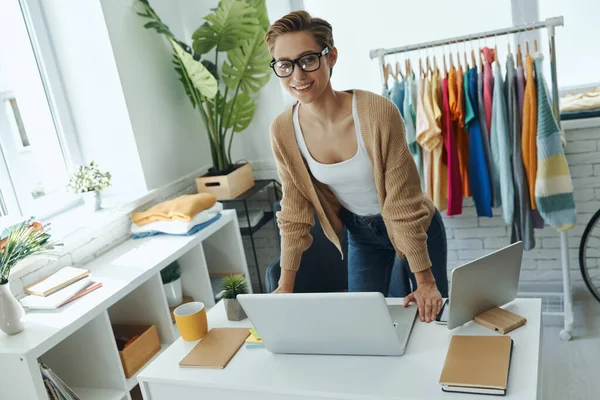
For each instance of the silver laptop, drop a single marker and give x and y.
(487, 282)
(330, 323)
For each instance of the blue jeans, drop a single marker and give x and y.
(373, 265)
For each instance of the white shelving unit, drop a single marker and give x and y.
(77, 341)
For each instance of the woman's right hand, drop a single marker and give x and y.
(286, 281)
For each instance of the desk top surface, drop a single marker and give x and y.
(412, 376)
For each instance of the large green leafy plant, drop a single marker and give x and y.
(223, 94)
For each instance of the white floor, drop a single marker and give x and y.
(571, 370)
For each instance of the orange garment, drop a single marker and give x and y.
(439, 174)
(457, 110)
(529, 131)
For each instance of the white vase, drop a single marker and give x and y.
(92, 200)
(174, 292)
(11, 312)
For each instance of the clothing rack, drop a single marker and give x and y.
(565, 298)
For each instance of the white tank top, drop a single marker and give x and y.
(352, 180)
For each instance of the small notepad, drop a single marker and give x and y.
(216, 348)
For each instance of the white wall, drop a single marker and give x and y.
(93, 88)
(578, 58)
(169, 134)
(367, 25)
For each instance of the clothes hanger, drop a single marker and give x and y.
(450, 55)
(465, 55)
(420, 65)
(427, 64)
(386, 73)
(458, 56)
(519, 53)
(445, 68)
(481, 61)
(473, 56)
(496, 50)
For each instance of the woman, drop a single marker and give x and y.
(343, 155)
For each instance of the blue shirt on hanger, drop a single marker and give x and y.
(479, 178)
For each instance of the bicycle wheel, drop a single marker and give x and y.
(589, 255)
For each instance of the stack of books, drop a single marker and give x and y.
(58, 289)
(55, 387)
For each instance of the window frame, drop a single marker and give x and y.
(55, 93)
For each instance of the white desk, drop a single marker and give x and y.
(257, 374)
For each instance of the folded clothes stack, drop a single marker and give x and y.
(581, 105)
(183, 215)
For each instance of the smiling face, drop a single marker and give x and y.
(305, 86)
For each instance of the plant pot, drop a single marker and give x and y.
(229, 186)
(11, 312)
(234, 310)
(174, 292)
(92, 200)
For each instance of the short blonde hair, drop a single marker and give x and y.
(298, 21)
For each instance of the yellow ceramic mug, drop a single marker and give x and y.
(191, 320)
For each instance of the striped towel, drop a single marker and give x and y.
(553, 185)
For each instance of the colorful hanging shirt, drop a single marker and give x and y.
(462, 135)
(554, 187)
(522, 228)
(501, 149)
(455, 194)
(485, 133)
(410, 118)
(478, 171)
(488, 85)
(528, 140)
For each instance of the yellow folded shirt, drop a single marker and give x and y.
(182, 208)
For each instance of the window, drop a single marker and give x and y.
(36, 145)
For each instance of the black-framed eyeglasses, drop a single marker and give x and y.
(308, 62)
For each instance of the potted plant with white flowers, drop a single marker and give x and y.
(17, 242)
(88, 181)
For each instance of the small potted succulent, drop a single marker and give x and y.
(171, 279)
(232, 286)
(88, 182)
(17, 242)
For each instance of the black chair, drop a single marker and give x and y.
(322, 268)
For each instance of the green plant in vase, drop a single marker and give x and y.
(171, 279)
(222, 92)
(233, 285)
(25, 239)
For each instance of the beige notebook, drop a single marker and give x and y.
(216, 348)
(57, 281)
(500, 320)
(477, 364)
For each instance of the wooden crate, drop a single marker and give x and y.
(227, 186)
(140, 351)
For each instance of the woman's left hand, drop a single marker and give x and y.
(428, 299)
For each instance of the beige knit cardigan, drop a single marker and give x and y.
(406, 210)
